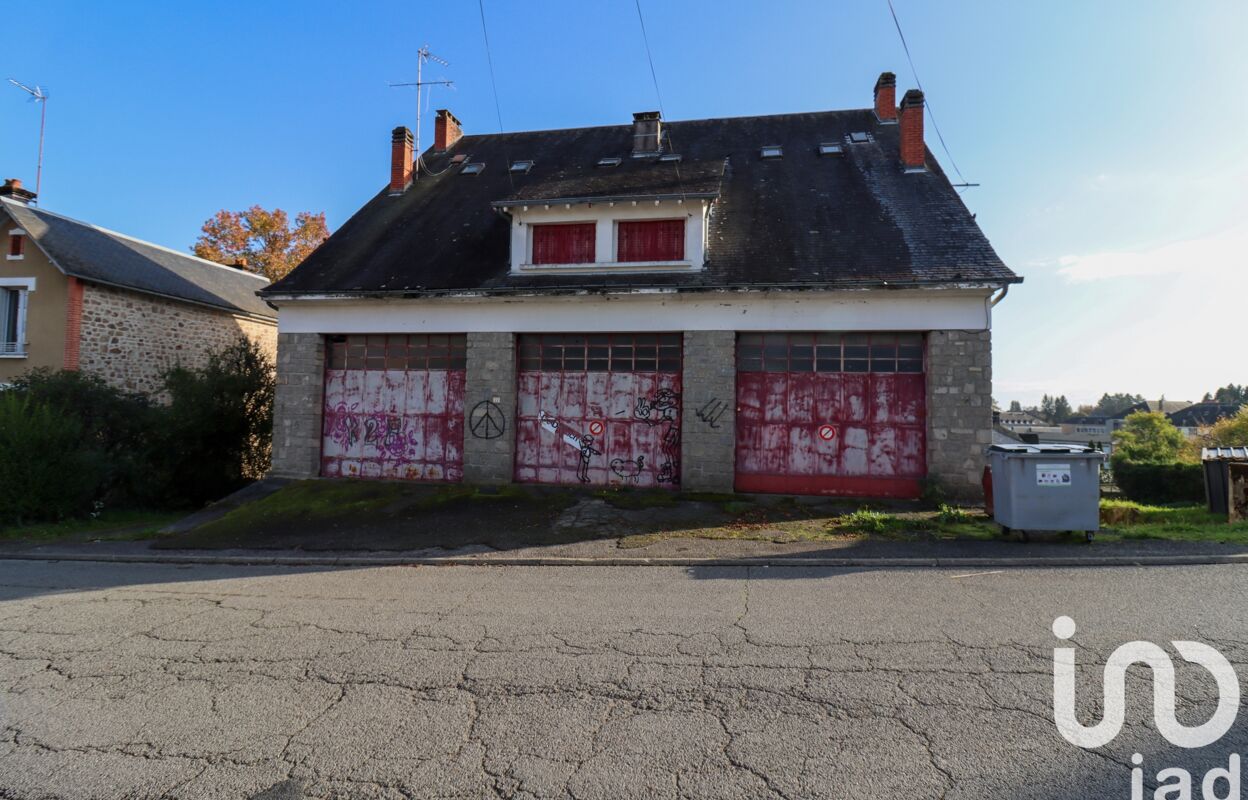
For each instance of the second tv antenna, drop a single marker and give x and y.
(423, 55)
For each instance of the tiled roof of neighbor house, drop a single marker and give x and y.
(802, 220)
(1202, 414)
(1154, 406)
(103, 256)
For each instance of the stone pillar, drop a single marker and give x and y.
(297, 405)
(708, 431)
(959, 410)
(490, 388)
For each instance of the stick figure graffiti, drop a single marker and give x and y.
(587, 452)
(628, 468)
(663, 408)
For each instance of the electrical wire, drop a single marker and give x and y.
(498, 110)
(654, 76)
(919, 83)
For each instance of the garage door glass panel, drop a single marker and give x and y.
(394, 406)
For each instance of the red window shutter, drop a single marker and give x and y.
(564, 244)
(16, 242)
(652, 240)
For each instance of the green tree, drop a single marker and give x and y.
(1229, 394)
(1015, 405)
(1047, 408)
(1147, 438)
(1111, 404)
(1061, 409)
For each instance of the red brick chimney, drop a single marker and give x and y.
(13, 189)
(400, 160)
(913, 153)
(886, 97)
(446, 131)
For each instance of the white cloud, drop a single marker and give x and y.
(1221, 252)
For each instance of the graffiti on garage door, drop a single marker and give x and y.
(394, 407)
(600, 409)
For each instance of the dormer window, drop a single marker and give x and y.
(650, 240)
(17, 244)
(571, 243)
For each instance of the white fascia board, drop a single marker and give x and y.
(878, 310)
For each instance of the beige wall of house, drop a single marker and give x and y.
(46, 307)
(132, 339)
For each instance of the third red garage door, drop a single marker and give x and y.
(831, 413)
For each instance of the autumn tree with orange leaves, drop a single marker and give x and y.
(261, 241)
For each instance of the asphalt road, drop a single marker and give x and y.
(598, 682)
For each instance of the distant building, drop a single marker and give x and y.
(1199, 417)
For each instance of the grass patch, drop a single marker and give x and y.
(120, 524)
(1185, 522)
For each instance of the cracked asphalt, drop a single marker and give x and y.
(133, 681)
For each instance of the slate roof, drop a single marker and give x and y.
(95, 254)
(800, 221)
(1153, 406)
(1200, 415)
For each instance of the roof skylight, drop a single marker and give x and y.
(459, 159)
(771, 151)
(611, 161)
(521, 166)
(859, 137)
(670, 157)
(831, 149)
(472, 168)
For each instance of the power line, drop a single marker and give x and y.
(498, 110)
(654, 76)
(919, 83)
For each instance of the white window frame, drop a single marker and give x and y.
(9, 256)
(23, 286)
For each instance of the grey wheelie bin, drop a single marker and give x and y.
(1046, 487)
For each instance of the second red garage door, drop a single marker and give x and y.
(831, 413)
(599, 409)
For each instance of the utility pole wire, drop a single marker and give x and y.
(498, 110)
(654, 76)
(919, 83)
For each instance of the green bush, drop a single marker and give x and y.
(49, 469)
(953, 515)
(120, 425)
(1156, 484)
(216, 433)
(1147, 438)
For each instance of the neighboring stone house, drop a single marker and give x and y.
(74, 296)
(796, 303)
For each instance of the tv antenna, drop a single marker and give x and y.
(37, 95)
(423, 55)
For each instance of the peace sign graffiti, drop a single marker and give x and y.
(487, 420)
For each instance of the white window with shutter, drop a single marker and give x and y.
(13, 301)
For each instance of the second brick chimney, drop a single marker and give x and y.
(446, 131)
(647, 133)
(886, 97)
(913, 153)
(400, 160)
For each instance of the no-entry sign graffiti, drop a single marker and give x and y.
(827, 433)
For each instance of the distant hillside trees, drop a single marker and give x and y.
(1230, 394)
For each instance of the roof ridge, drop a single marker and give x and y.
(189, 256)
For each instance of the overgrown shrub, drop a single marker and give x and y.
(1156, 484)
(953, 515)
(1147, 438)
(120, 425)
(49, 468)
(215, 435)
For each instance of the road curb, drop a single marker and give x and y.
(539, 561)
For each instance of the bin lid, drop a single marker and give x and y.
(1043, 449)
(1224, 454)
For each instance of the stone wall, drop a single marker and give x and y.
(490, 379)
(298, 404)
(959, 409)
(708, 438)
(131, 339)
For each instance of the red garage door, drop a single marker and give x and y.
(600, 409)
(831, 413)
(394, 407)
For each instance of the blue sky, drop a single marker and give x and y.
(1109, 137)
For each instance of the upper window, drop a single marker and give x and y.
(12, 324)
(17, 244)
(564, 243)
(651, 240)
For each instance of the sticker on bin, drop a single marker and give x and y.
(1052, 474)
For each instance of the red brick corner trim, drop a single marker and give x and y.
(73, 324)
